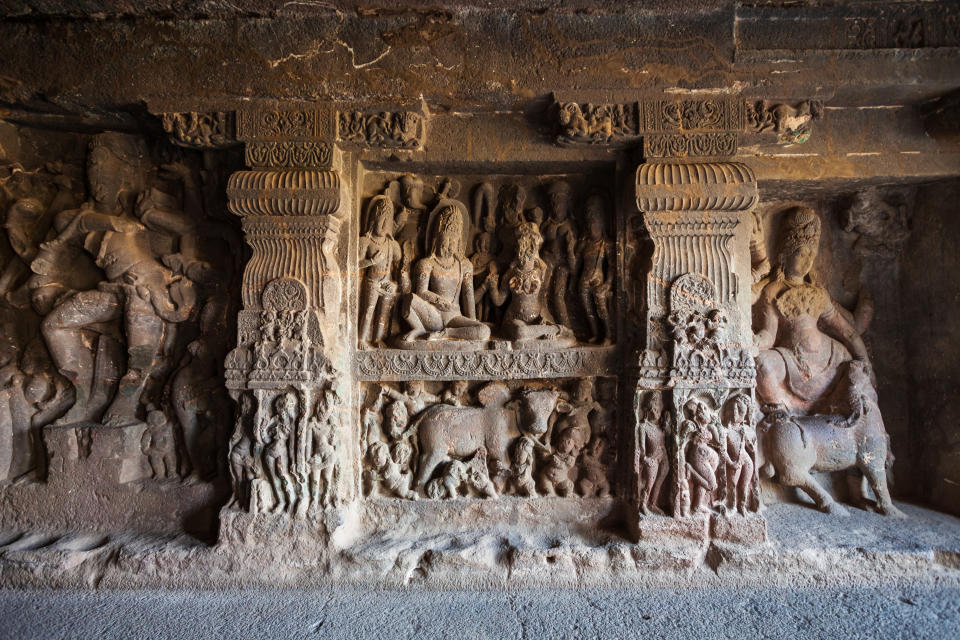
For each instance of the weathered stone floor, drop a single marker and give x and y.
(689, 614)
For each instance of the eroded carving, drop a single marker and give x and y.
(401, 129)
(791, 123)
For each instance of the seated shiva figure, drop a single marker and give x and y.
(441, 305)
(523, 283)
(803, 335)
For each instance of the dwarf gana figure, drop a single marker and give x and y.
(387, 472)
(554, 477)
(593, 479)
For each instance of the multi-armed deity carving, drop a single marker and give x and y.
(814, 376)
(124, 283)
(534, 281)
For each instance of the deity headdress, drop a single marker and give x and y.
(449, 217)
(801, 227)
(378, 203)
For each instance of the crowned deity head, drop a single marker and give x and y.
(448, 240)
(380, 216)
(799, 243)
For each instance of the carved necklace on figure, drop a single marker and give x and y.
(526, 281)
(804, 299)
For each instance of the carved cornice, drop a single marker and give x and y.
(284, 192)
(386, 129)
(702, 186)
(707, 126)
(396, 364)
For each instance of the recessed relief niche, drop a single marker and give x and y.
(466, 263)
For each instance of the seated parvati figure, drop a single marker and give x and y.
(441, 305)
(526, 318)
(803, 335)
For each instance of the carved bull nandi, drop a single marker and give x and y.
(795, 445)
(449, 432)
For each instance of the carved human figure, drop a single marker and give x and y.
(196, 390)
(513, 197)
(554, 477)
(596, 274)
(149, 298)
(578, 411)
(457, 394)
(243, 451)
(414, 396)
(739, 455)
(651, 463)
(484, 246)
(385, 471)
(523, 459)
(379, 257)
(323, 457)
(702, 462)
(410, 221)
(559, 250)
(593, 479)
(159, 446)
(482, 262)
(276, 456)
(803, 335)
(524, 319)
(478, 475)
(441, 305)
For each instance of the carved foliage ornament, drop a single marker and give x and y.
(288, 153)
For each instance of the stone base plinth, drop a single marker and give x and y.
(741, 529)
(657, 528)
(103, 454)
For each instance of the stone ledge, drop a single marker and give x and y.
(806, 548)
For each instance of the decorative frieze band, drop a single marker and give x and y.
(397, 364)
(388, 129)
(289, 154)
(199, 130)
(684, 127)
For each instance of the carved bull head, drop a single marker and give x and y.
(536, 407)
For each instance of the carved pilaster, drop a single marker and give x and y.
(697, 356)
(290, 434)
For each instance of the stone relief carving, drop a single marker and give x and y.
(596, 123)
(524, 439)
(288, 153)
(814, 375)
(689, 144)
(534, 282)
(400, 129)
(200, 130)
(121, 302)
(791, 123)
